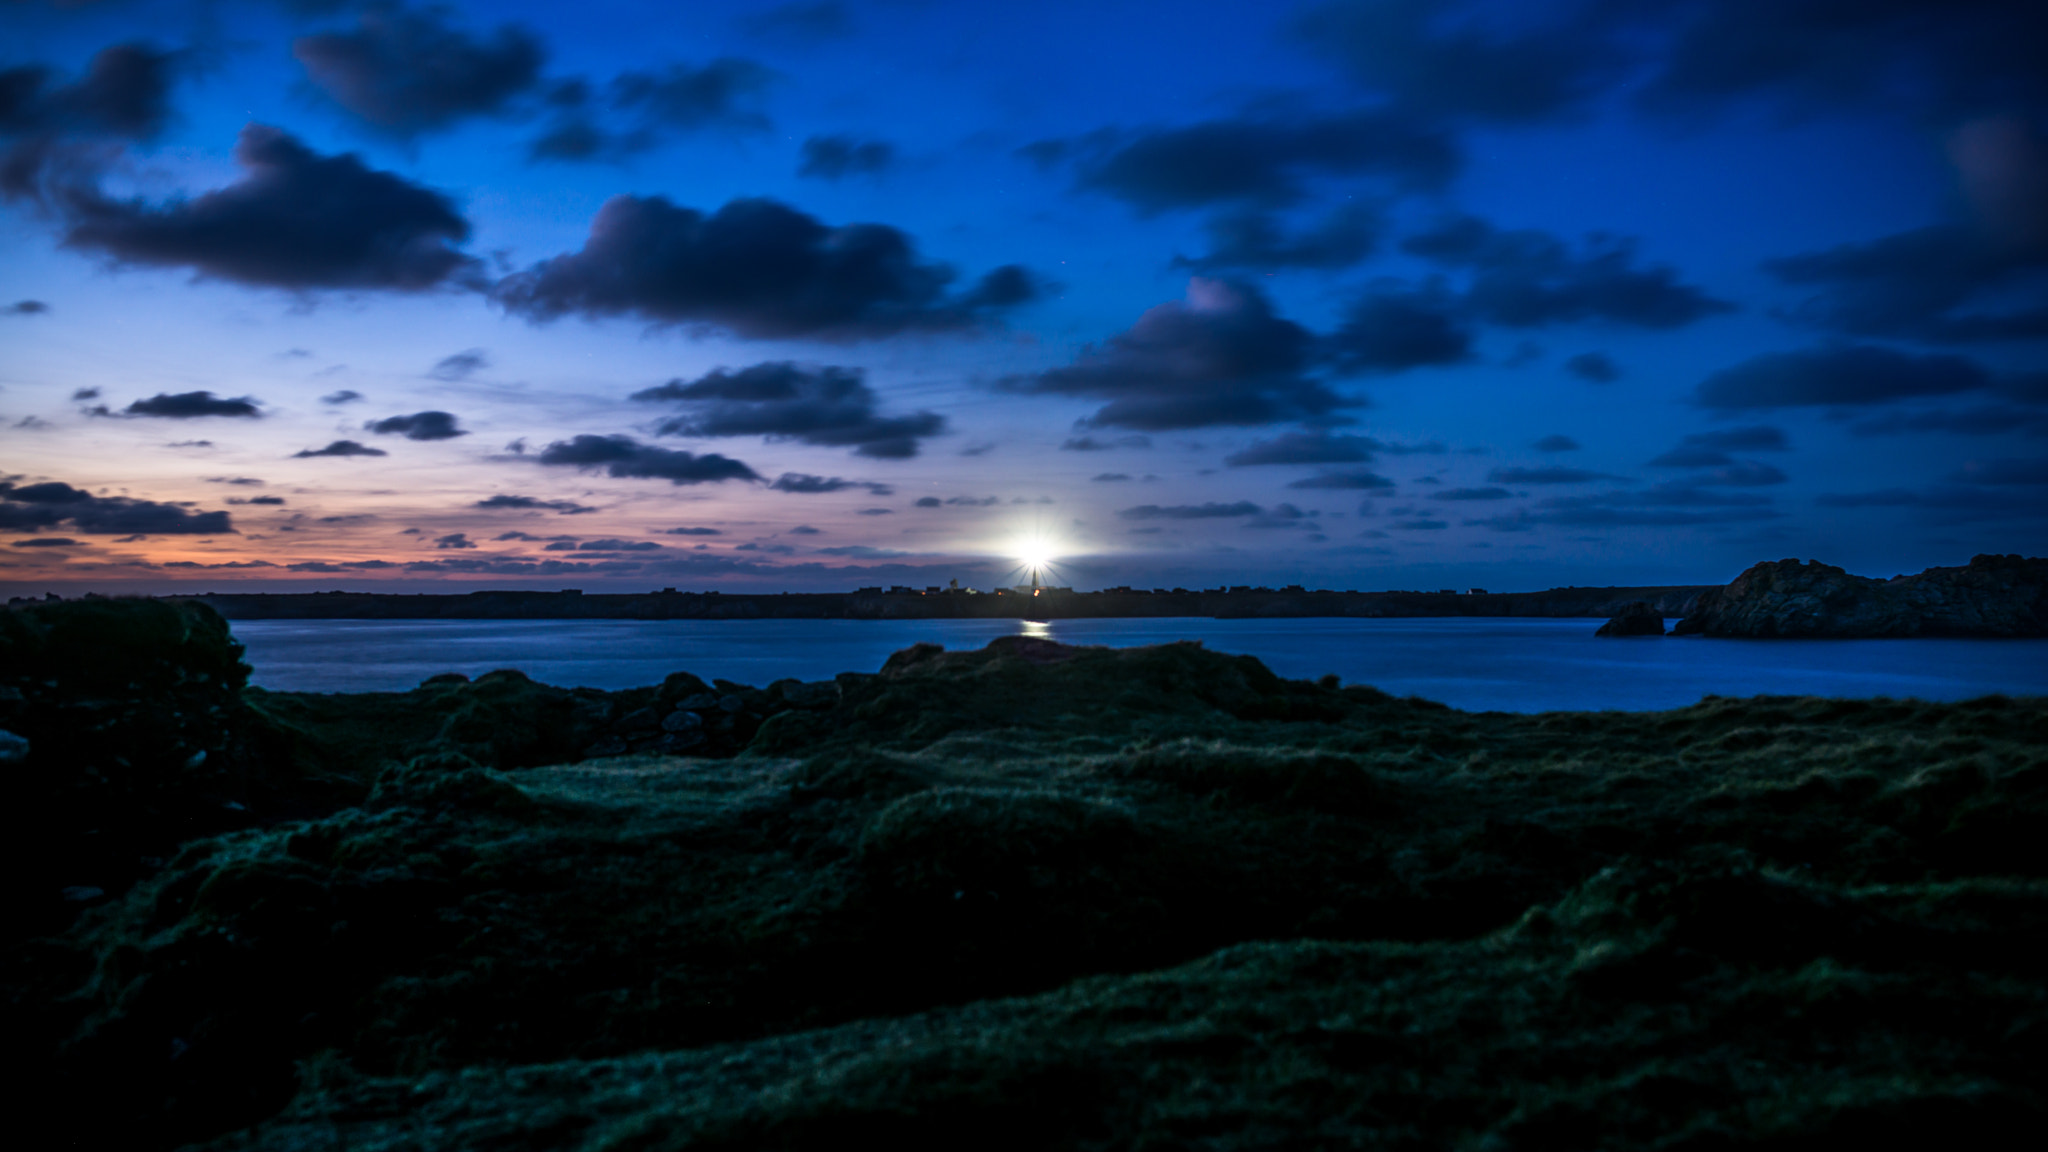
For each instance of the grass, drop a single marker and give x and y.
(1044, 897)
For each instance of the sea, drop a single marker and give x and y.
(1477, 664)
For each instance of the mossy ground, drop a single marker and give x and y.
(1045, 897)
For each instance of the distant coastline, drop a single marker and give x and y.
(926, 604)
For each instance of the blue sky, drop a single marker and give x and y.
(1377, 294)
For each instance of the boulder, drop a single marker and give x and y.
(1636, 618)
(1992, 596)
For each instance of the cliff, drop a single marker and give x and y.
(1992, 596)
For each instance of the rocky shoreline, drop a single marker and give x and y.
(1990, 597)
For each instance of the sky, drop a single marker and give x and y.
(1367, 294)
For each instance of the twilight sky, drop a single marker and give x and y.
(305, 294)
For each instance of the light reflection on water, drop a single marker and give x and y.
(1517, 665)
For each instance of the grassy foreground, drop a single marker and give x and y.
(1031, 896)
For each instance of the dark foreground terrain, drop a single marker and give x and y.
(1027, 897)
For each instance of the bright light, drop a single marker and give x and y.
(1034, 552)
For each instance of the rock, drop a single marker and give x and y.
(731, 703)
(698, 702)
(681, 720)
(13, 749)
(823, 694)
(681, 741)
(444, 678)
(639, 720)
(1993, 596)
(609, 746)
(82, 894)
(1636, 618)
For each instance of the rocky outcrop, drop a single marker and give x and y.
(1992, 596)
(1635, 619)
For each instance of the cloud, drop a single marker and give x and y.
(806, 484)
(1353, 478)
(606, 545)
(48, 542)
(1739, 473)
(623, 458)
(460, 366)
(781, 400)
(805, 530)
(296, 220)
(863, 552)
(877, 512)
(756, 268)
(418, 426)
(693, 532)
(345, 396)
(972, 502)
(1711, 449)
(1471, 494)
(29, 507)
(1253, 240)
(1883, 498)
(237, 481)
(1419, 55)
(1421, 525)
(340, 448)
(1210, 511)
(2003, 163)
(720, 94)
(1103, 478)
(2009, 470)
(1556, 442)
(1305, 448)
(1527, 278)
(1093, 444)
(1390, 328)
(928, 502)
(1221, 357)
(453, 540)
(837, 157)
(188, 405)
(1594, 367)
(26, 308)
(125, 93)
(1546, 474)
(269, 500)
(407, 71)
(1980, 420)
(560, 507)
(1941, 284)
(825, 20)
(1255, 159)
(1845, 375)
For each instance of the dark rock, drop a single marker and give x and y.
(698, 702)
(1636, 618)
(13, 749)
(823, 694)
(680, 741)
(731, 703)
(444, 678)
(609, 746)
(639, 720)
(681, 720)
(1993, 596)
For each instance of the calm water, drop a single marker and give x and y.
(1508, 665)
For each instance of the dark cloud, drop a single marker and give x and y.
(607, 545)
(1419, 56)
(805, 530)
(455, 540)
(1210, 511)
(781, 400)
(1526, 278)
(296, 220)
(2032, 470)
(1108, 477)
(877, 512)
(755, 267)
(1846, 375)
(1546, 474)
(124, 93)
(1254, 240)
(623, 458)
(837, 157)
(560, 507)
(1094, 444)
(418, 426)
(645, 105)
(803, 483)
(25, 308)
(188, 405)
(1471, 494)
(265, 500)
(1255, 159)
(1353, 478)
(1711, 449)
(340, 448)
(460, 366)
(1934, 56)
(1556, 442)
(1393, 329)
(928, 502)
(1221, 357)
(1739, 473)
(237, 481)
(1305, 448)
(1594, 367)
(1421, 525)
(30, 507)
(972, 502)
(1946, 283)
(825, 20)
(694, 532)
(48, 542)
(1979, 420)
(1883, 498)
(345, 396)
(408, 71)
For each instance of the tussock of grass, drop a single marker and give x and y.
(1036, 896)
